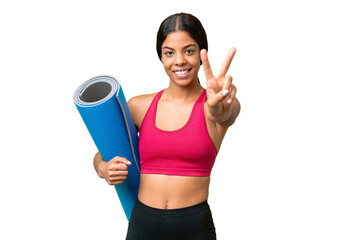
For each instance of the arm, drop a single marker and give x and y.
(115, 170)
(222, 107)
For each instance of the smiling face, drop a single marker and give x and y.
(180, 55)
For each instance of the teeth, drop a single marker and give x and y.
(181, 72)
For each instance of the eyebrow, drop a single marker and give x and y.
(190, 45)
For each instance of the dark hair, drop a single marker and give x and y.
(181, 22)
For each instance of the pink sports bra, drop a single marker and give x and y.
(188, 151)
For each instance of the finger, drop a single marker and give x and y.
(117, 178)
(118, 173)
(227, 83)
(118, 167)
(206, 64)
(227, 62)
(118, 159)
(115, 182)
(219, 97)
(225, 91)
(231, 95)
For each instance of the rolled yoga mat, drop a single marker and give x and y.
(104, 110)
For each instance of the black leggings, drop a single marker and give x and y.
(190, 223)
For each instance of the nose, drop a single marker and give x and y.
(180, 59)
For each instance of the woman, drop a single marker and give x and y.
(180, 132)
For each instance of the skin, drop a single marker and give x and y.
(179, 53)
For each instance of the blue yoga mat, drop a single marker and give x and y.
(104, 110)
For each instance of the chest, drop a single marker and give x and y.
(172, 116)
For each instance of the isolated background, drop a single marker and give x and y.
(288, 168)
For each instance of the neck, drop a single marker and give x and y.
(190, 91)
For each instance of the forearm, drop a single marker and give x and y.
(98, 160)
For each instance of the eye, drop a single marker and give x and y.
(169, 53)
(189, 51)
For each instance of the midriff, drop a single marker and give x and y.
(172, 192)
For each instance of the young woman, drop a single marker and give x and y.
(180, 132)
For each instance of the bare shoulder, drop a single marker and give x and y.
(138, 106)
(140, 101)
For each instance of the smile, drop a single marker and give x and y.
(182, 72)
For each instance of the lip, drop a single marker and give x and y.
(182, 73)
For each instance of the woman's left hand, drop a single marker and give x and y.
(219, 89)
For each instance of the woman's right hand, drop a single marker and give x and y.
(114, 171)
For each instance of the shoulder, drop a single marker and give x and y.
(139, 105)
(141, 99)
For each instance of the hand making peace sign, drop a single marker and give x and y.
(219, 89)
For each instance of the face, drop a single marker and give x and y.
(180, 55)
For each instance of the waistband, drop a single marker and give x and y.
(177, 211)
